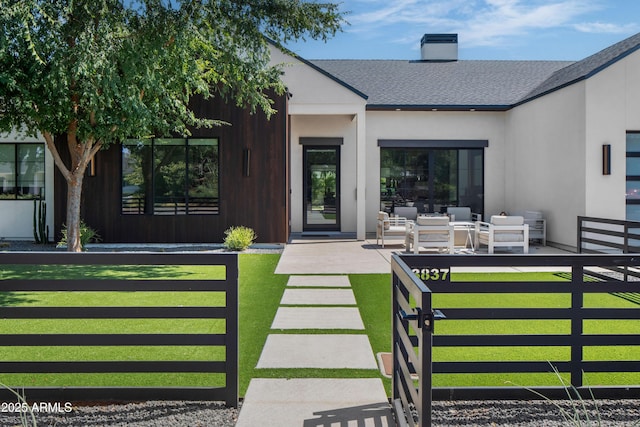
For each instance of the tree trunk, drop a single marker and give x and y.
(80, 153)
(74, 197)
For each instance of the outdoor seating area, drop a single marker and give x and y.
(459, 231)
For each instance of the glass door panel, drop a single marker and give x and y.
(322, 189)
(431, 179)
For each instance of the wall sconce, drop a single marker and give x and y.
(91, 167)
(246, 161)
(606, 159)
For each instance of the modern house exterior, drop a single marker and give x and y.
(557, 137)
(354, 137)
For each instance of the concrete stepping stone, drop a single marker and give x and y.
(331, 351)
(298, 402)
(316, 281)
(317, 318)
(318, 297)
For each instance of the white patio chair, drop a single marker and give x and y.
(463, 213)
(390, 227)
(503, 231)
(433, 232)
(409, 212)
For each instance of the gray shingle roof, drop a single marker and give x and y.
(466, 84)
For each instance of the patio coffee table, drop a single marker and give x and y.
(467, 226)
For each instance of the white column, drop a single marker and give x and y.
(361, 174)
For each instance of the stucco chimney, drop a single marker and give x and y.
(439, 47)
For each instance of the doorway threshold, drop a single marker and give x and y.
(323, 234)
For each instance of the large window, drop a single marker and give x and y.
(633, 177)
(170, 176)
(21, 171)
(431, 179)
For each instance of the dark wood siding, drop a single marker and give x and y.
(259, 201)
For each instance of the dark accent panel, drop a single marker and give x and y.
(259, 199)
(433, 143)
(606, 159)
(321, 141)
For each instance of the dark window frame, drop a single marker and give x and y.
(184, 204)
(17, 192)
(430, 150)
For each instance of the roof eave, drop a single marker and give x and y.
(437, 107)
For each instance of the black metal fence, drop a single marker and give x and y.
(603, 235)
(228, 313)
(417, 279)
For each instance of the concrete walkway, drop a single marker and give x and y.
(335, 256)
(319, 298)
(316, 303)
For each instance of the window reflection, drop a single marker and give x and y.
(431, 179)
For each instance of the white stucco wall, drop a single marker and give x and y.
(321, 107)
(325, 126)
(545, 160)
(16, 216)
(437, 125)
(612, 109)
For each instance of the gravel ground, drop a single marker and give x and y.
(624, 413)
(139, 414)
(612, 413)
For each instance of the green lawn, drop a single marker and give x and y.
(100, 326)
(259, 294)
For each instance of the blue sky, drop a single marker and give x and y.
(487, 29)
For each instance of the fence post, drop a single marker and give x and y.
(577, 301)
(425, 351)
(232, 333)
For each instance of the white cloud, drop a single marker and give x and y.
(604, 27)
(479, 22)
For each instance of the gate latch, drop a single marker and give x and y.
(424, 320)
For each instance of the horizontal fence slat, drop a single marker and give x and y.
(530, 340)
(611, 366)
(113, 312)
(118, 258)
(51, 340)
(521, 393)
(500, 287)
(610, 340)
(611, 313)
(499, 340)
(110, 285)
(86, 367)
(506, 313)
(503, 366)
(116, 394)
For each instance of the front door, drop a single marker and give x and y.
(321, 188)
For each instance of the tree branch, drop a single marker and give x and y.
(49, 139)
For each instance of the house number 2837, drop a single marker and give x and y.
(432, 274)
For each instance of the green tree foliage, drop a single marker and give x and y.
(100, 71)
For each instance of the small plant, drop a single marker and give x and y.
(578, 414)
(239, 238)
(87, 235)
(27, 417)
(40, 227)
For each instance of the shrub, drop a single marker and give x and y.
(239, 238)
(87, 235)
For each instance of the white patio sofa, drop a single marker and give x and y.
(435, 232)
(503, 231)
(390, 228)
